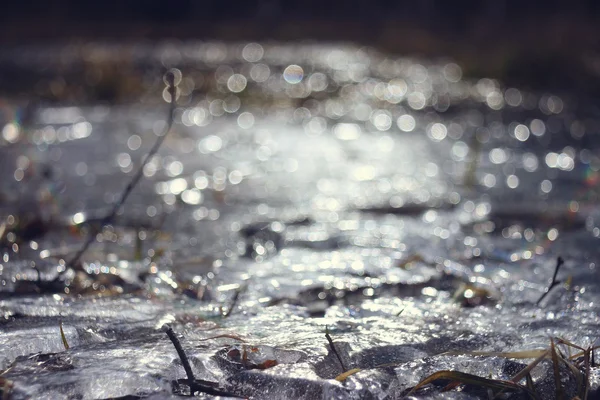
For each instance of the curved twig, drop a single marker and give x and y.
(170, 78)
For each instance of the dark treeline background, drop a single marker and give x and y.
(550, 43)
(455, 15)
(209, 10)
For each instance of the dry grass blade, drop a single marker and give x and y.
(582, 353)
(451, 385)
(573, 362)
(224, 335)
(556, 367)
(470, 176)
(531, 386)
(137, 255)
(342, 377)
(538, 354)
(6, 387)
(580, 378)
(413, 258)
(2, 229)
(560, 340)
(469, 379)
(583, 392)
(523, 373)
(63, 337)
(513, 354)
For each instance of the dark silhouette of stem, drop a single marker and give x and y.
(559, 263)
(94, 230)
(195, 385)
(334, 350)
(234, 300)
(180, 353)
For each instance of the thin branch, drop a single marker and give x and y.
(195, 385)
(334, 350)
(170, 78)
(234, 300)
(559, 263)
(182, 356)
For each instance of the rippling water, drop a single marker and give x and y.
(409, 210)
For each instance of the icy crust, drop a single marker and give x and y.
(413, 217)
(278, 351)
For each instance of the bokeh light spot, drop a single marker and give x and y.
(293, 74)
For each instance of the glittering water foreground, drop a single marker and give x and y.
(390, 202)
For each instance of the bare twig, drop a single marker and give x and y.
(195, 385)
(234, 301)
(334, 350)
(170, 78)
(182, 356)
(559, 263)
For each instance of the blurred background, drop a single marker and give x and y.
(550, 44)
(498, 83)
(378, 167)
